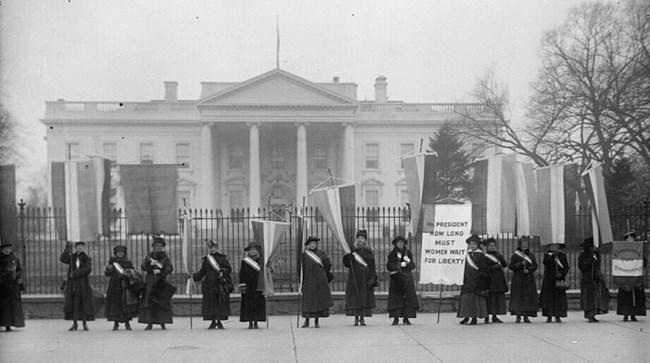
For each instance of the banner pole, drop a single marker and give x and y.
(439, 304)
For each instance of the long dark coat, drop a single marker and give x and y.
(594, 296)
(253, 305)
(11, 305)
(494, 270)
(317, 297)
(117, 307)
(78, 302)
(360, 287)
(473, 299)
(523, 289)
(156, 302)
(401, 291)
(215, 287)
(553, 301)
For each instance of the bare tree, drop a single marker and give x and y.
(8, 133)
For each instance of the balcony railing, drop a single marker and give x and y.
(473, 108)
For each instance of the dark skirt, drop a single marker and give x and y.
(472, 306)
(11, 306)
(553, 301)
(359, 312)
(253, 307)
(496, 303)
(316, 314)
(631, 302)
(405, 312)
(594, 301)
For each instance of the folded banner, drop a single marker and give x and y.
(595, 188)
(421, 181)
(80, 192)
(493, 195)
(525, 198)
(150, 198)
(268, 234)
(627, 264)
(185, 242)
(8, 215)
(557, 187)
(337, 206)
(443, 250)
(301, 237)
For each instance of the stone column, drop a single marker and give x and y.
(207, 172)
(254, 188)
(348, 151)
(301, 163)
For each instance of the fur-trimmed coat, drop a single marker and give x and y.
(77, 287)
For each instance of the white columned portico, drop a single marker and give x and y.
(301, 163)
(207, 165)
(348, 151)
(254, 188)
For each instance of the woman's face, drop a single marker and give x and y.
(472, 246)
(492, 247)
(312, 245)
(360, 241)
(399, 244)
(253, 252)
(120, 254)
(158, 247)
(6, 250)
(80, 248)
(214, 249)
(524, 244)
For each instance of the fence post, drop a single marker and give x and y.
(21, 215)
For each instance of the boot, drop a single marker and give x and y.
(486, 320)
(496, 320)
(306, 323)
(116, 326)
(395, 321)
(473, 322)
(407, 321)
(219, 325)
(518, 320)
(548, 320)
(316, 325)
(361, 321)
(624, 317)
(74, 326)
(163, 327)
(633, 318)
(84, 325)
(149, 326)
(356, 320)
(250, 325)
(255, 325)
(557, 319)
(127, 326)
(8, 328)
(464, 321)
(526, 320)
(212, 325)
(593, 319)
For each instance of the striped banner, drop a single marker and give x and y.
(525, 198)
(627, 263)
(595, 188)
(336, 204)
(80, 191)
(557, 187)
(8, 215)
(494, 195)
(421, 181)
(268, 234)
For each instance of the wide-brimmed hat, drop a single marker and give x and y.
(399, 238)
(489, 240)
(589, 241)
(5, 244)
(312, 239)
(362, 233)
(474, 238)
(211, 243)
(159, 239)
(529, 239)
(119, 248)
(629, 234)
(251, 245)
(79, 243)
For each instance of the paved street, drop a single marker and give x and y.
(337, 340)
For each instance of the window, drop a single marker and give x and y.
(72, 151)
(403, 197)
(183, 155)
(184, 195)
(110, 152)
(372, 205)
(277, 156)
(372, 156)
(404, 149)
(146, 153)
(235, 157)
(238, 212)
(319, 156)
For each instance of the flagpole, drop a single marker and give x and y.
(302, 237)
(439, 304)
(186, 259)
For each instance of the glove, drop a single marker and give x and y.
(407, 259)
(403, 264)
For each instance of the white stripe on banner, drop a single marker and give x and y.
(627, 267)
(494, 180)
(98, 164)
(557, 204)
(523, 212)
(334, 201)
(600, 213)
(414, 174)
(72, 206)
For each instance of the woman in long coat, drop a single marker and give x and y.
(552, 300)
(524, 300)
(495, 262)
(253, 305)
(156, 304)
(316, 294)
(120, 307)
(78, 302)
(362, 280)
(402, 298)
(473, 302)
(594, 296)
(631, 299)
(216, 286)
(11, 305)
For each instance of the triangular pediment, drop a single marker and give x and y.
(276, 88)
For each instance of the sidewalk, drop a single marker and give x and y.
(337, 340)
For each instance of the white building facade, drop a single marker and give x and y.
(273, 137)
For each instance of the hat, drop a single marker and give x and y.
(589, 241)
(158, 239)
(629, 234)
(79, 243)
(399, 238)
(362, 233)
(119, 248)
(251, 245)
(211, 243)
(489, 240)
(522, 238)
(474, 238)
(311, 239)
(3, 245)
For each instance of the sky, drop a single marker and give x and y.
(123, 50)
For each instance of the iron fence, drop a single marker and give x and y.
(43, 273)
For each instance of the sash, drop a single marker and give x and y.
(471, 262)
(156, 263)
(252, 263)
(492, 258)
(214, 263)
(360, 260)
(314, 257)
(524, 256)
(559, 264)
(119, 268)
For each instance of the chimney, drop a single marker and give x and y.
(171, 91)
(380, 89)
(336, 79)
